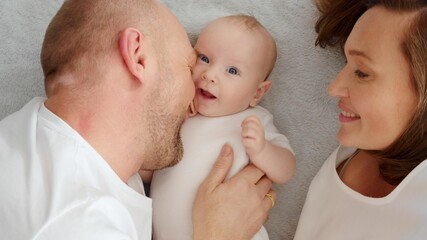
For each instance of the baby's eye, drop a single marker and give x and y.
(203, 58)
(233, 71)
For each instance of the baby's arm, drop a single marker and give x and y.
(276, 162)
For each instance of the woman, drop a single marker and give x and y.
(374, 186)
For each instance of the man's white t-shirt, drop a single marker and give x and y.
(173, 189)
(333, 211)
(54, 185)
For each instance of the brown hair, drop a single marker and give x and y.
(334, 25)
(251, 23)
(82, 31)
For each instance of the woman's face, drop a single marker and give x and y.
(376, 96)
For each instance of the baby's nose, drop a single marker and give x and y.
(209, 76)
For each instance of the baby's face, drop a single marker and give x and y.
(230, 66)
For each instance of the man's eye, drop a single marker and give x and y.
(233, 71)
(204, 58)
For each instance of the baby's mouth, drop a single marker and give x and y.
(207, 94)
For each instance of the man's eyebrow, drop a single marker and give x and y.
(359, 54)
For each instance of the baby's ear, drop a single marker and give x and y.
(262, 89)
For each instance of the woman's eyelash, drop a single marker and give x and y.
(360, 74)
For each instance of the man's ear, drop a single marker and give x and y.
(262, 89)
(132, 51)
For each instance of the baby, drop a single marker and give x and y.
(236, 55)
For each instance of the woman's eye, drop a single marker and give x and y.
(360, 74)
(233, 71)
(204, 58)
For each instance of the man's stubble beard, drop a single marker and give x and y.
(165, 148)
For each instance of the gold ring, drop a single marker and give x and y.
(271, 199)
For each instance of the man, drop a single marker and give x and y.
(118, 86)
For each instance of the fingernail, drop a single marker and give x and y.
(226, 150)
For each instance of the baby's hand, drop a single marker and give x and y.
(253, 136)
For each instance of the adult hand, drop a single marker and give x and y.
(233, 209)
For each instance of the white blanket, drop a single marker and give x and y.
(303, 111)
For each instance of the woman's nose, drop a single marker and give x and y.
(338, 87)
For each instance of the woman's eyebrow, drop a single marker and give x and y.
(359, 54)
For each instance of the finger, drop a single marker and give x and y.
(251, 130)
(251, 173)
(221, 167)
(249, 124)
(251, 118)
(248, 121)
(255, 126)
(248, 142)
(249, 133)
(269, 200)
(251, 147)
(264, 185)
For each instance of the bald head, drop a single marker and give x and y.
(83, 31)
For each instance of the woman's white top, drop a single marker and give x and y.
(332, 210)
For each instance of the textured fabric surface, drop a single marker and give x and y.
(298, 99)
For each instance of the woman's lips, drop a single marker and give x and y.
(348, 116)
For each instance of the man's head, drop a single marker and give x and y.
(127, 64)
(236, 55)
(84, 31)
